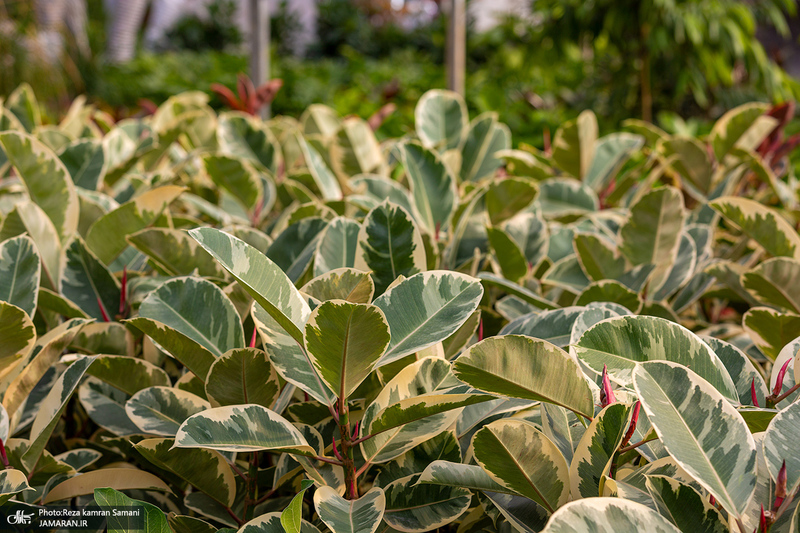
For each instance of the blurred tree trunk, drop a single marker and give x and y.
(125, 18)
(54, 16)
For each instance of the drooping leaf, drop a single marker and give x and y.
(522, 367)
(425, 309)
(175, 252)
(20, 271)
(701, 430)
(460, 475)
(262, 278)
(241, 428)
(344, 341)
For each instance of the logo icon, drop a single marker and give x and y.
(20, 517)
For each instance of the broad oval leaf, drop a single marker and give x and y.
(241, 428)
(113, 478)
(775, 282)
(154, 519)
(433, 187)
(522, 367)
(780, 444)
(271, 523)
(416, 508)
(760, 223)
(426, 309)
(85, 280)
(441, 119)
(260, 277)
(183, 304)
(521, 458)
(344, 341)
(622, 343)
(18, 334)
(701, 430)
(554, 326)
(336, 247)
(350, 516)
(771, 330)
(162, 410)
(240, 376)
(460, 475)
(175, 252)
(341, 284)
(684, 506)
(608, 515)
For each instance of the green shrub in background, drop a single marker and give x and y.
(290, 325)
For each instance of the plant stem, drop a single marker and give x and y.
(636, 445)
(328, 460)
(350, 477)
(782, 397)
(252, 488)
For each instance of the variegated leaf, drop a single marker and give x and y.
(262, 278)
(154, 519)
(771, 330)
(775, 282)
(12, 482)
(742, 371)
(85, 280)
(441, 119)
(460, 475)
(607, 515)
(762, 224)
(162, 410)
(701, 430)
(595, 452)
(271, 523)
(175, 252)
(426, 309)
(19, 336)
(336, 247)
(433, 187)
(522, 367)
(344, 341)
(241, 428)
(780, 444)
(341, 284)
(416, 508)
(389, 245)
(350, 516)
(554, 326)
(20, 273)
(242, 376)
(206, 470)
(521, 458)
(622, 343)
(684, 506)
(46, 178)
(128, 374)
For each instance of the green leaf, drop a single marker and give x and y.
(609, 291)
(608, 515)
(154, 519)
(85, 280)
(416, 508)
(771, 330)
(323, 177)
(486, 137)
(20, 273)
(413, 409)
(183, 304)
(441, 119)
(652, 234)
(508, 197)
(598, 257)
(565, 198)
(292, 516)
(433, 187)
(519, 457)
(780, 441)
(522, 367)
(355, 149)
(690, 158)
(760, 223)
(562, 427)
(107, 236)
(336, 247)
(46, 179)
(23, 105)
(341, 284)
(241, 428)
(260, 277)
(516, 290)
(162, 410)
(242, 375)
(85, 162)
(513, 263)
(344, 341)
(574, 144)
(27, 217)
(741, 370)
(206, 470)
(426, 309)
(175, 252)
(12, 482)
(235, 176)
(554, 326)
(128, 374)
(595, 452)
(271, 523)
(105, 405)
(295, 247)
(623, 343)
(701, 430)
(194, 356)
(775, 282)
(684, 506)
(389, 245)
(350, 516)
(52, 407)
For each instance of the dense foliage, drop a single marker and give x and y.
(290, 326)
